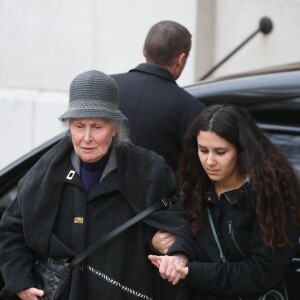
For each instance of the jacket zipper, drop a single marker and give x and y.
(231, 233)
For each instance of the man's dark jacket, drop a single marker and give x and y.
(41, 222)
(158, 110)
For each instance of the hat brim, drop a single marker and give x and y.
(115, 115)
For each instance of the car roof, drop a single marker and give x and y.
(267, 70)
(273, 92)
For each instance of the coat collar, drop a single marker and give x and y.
(233, 197)
(154, 70)
(109, 179)
(110, 166)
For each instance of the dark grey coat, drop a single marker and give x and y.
(40, 221)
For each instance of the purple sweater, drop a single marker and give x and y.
(91, 173)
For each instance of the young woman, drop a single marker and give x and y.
(231, 171)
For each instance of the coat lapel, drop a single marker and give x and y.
(110, 183)
(39, 193)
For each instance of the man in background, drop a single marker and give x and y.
(158, 110)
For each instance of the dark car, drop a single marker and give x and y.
(271, 96)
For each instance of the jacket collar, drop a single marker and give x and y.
(154, 70)
(234, 197)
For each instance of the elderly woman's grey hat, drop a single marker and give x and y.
(93, 94)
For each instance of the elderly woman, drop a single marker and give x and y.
(87, 185)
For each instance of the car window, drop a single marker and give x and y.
(290, 145)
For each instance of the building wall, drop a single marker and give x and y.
(236, 20)
(45, 44)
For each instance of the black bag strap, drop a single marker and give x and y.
(164, 203)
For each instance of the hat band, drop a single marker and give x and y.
(91, 105)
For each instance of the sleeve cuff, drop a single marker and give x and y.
(11, 288)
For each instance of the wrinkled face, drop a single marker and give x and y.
(91, 137)
(218, 157)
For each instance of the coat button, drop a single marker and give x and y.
(209, 198)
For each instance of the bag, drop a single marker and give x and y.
(53, 277)
(272, 294)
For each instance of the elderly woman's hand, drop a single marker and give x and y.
(162, 241)
(173, 268)
(30, 294)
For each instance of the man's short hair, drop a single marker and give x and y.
(165, 41)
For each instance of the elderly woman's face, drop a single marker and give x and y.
(92, 137)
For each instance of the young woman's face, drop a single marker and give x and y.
(91, 137)
(218, 157)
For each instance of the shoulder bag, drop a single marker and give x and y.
(276, 295)
(53, 276)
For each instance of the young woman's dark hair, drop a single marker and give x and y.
(274, 182)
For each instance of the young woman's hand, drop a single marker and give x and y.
(168, 265)
(162, 241)
(184, 271)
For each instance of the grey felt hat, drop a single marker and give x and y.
(93, 94)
